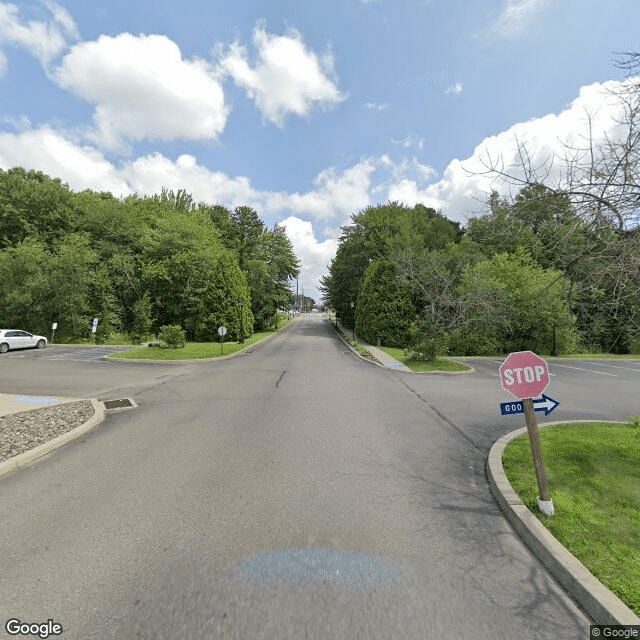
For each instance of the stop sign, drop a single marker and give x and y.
(524, 374)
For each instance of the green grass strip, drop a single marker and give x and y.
(439, 364)
(193, 350)
(594, 481)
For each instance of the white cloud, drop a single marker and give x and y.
(454, 89)
(160, 97)
(46, 150)
(375, 106)
(62, 18)
(287, 79)
(465, 183)
(148, 174)
(411, 140)
(336, 194)
(516, 16)
(314, 255)
(44, 39)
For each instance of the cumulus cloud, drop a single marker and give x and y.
(149, 173)
(287, 78)
(335, 194)
(315, 255)
(160, 97)
(44, 39)
(515, 17)
(465, 183)
(46, 150)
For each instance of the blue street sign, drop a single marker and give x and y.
(545, 404)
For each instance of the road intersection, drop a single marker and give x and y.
(294, 490)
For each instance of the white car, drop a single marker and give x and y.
(15, 339)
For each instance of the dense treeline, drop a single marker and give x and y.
(137, 264)
(529, 274)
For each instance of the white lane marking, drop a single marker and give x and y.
(501, 361)
(613, 366)
(600, 373)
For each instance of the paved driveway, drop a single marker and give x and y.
(295, 492)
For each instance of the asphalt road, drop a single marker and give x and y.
(293, 492)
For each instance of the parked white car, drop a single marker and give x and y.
(16, 339)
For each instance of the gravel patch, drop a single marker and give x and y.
(20, 432)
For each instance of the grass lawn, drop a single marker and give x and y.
(439, 364)
(594, 481)
(193, 350)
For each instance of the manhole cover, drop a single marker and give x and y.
(125, 403)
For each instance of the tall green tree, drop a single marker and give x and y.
(32, 204)
(191, 276)
(385, 308)
(377, 233)
(514, 305)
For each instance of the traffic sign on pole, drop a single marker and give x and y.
(222, 332)
(524, 374)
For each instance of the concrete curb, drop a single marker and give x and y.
(28, 457)
(369, 360)
(598, 601)
(471, 371)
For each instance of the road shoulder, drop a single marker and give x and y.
(598, 601)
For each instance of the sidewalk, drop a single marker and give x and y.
(381, 356)
(12, 403)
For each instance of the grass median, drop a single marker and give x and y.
(439, 364)
(192, 350)
(594, 481)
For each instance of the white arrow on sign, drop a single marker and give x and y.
(545, 404)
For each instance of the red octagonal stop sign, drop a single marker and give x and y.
(524, 374)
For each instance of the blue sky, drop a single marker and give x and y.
(307, 111)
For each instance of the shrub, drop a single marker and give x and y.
(429, 347)
(173, 336)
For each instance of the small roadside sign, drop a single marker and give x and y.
(94, 327)
(222, 332)
(545, 404)
(525, 375)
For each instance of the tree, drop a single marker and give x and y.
(66, 284)
(193, 280)
(434, 277)
(385, 310)
(514, 305)
(601, 180)
(32, 203)
(265, 256)
(376, 234)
